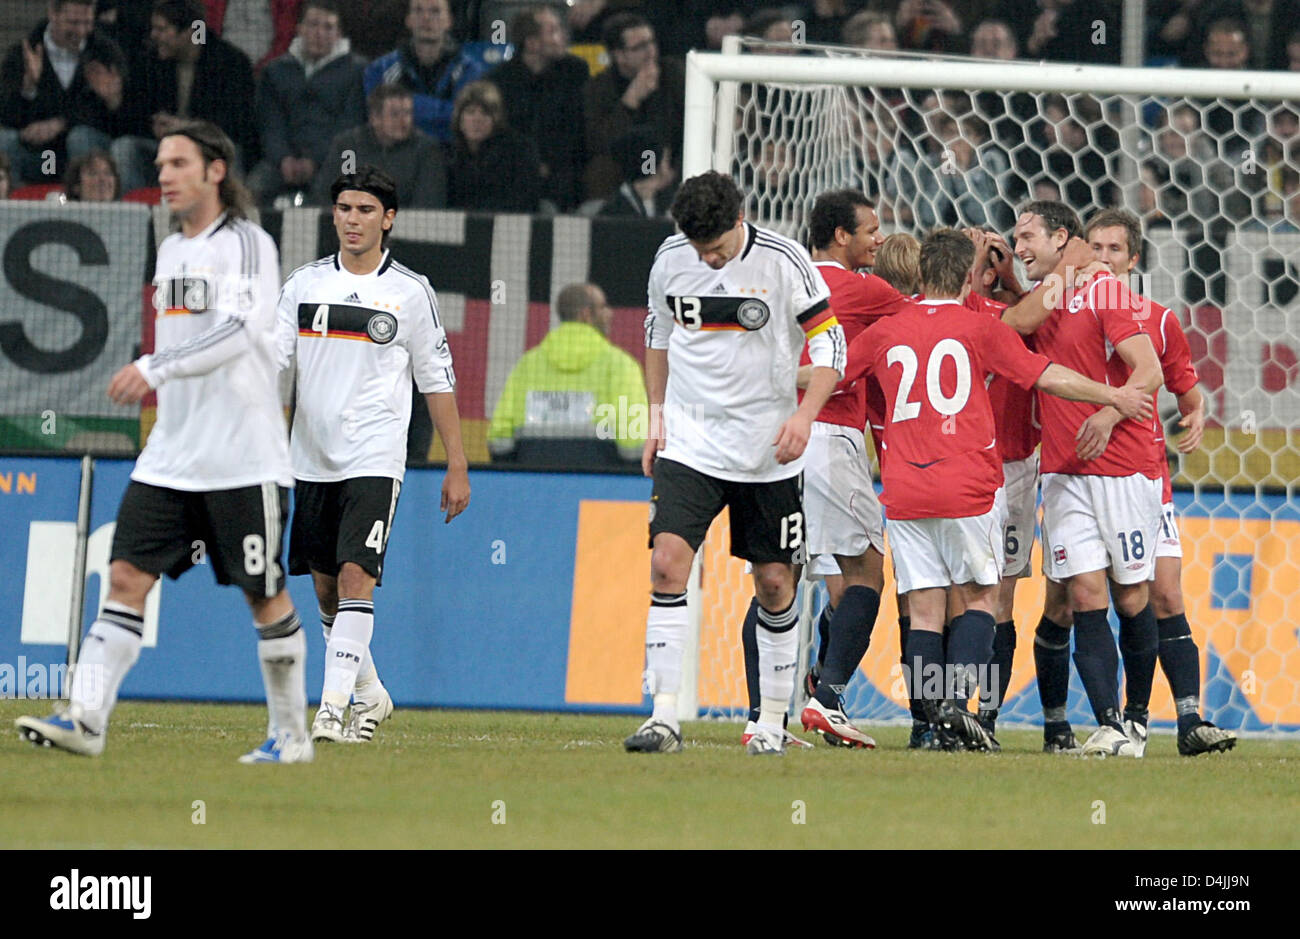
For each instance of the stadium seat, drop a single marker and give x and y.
(149, 195)
(37, 191)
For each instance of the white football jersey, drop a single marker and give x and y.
(224, 429)
(734, 337)
(359, 340)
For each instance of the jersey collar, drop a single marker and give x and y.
(385, 262)
(750, 234)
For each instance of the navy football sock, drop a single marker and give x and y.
(1097, 660)
(1138, 643)
(970, 646)
(850, 634)
(1181, 662)
(749, 642)
(824, 634)
(925, 664)
(913, 703)
(1004, 651)
(1052, 666)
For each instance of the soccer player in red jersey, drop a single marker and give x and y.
(1101, 516)
(1116, 237)
(943, 481)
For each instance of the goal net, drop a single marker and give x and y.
(1210, 161)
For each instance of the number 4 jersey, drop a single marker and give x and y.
(931, 360)
(359, 339)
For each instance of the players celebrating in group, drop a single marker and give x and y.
(959, 483)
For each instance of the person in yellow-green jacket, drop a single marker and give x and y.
(574, 384)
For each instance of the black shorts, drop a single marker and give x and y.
(766, 518)
(348, 520)
(239, 531)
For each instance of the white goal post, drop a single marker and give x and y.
(1209, 159)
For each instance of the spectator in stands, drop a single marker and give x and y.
(770, 24)
(60, 92)
(305, 99)
(993, 39)
(1237, 127)
(1225, 45)
(492, 167)
(542, 87)
(587, 375)
(824, 19)
(928, 24)
(1076, 31)
(1266, 29)
(92, 177)
(871, 30)
(390, 141)
(182, 78)
(1293, 52)
(430, 64)
(375, 27)
(648, 178)
(6, 180)
(637, 88)
(261, 29)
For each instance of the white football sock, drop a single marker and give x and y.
(111, 647)
(348, 643)
(778, 653)
(282, 652)
(665, 644)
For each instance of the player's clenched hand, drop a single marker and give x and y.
(1094, 433)
(1133, 403)
(455, 493)
(1195, 425)
(128, 385)
(792, 439)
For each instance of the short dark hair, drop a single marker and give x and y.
(1227, 24)
(325, 6)
(383, 92)
(946, 258)
(1054, 215)
(763, 20)
(617, 25)
(706, 206)
(72, 175)
(60, 4)
(835, 209)
(180, 13)
(368, 178)
(573, 300)
(1121, 218)
(526, 24)
(214, 144)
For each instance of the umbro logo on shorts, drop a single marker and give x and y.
(1058, 554)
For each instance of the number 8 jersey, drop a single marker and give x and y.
(734, 337)
(932, 359)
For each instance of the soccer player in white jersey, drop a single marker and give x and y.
(1116, 237)
(362, 325)
(215, 469)
(731, 306)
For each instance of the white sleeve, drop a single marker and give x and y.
(828, 349)
(199, 355)
(286, 324)
(807, 291)
(430, 354)
(658, 320)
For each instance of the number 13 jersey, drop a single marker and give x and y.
(734, 337)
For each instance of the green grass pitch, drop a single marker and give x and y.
(459, 779)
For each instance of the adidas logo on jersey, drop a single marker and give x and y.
(352, 298)
(719, 288)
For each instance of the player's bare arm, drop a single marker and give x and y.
(1146, 376)
(1191, 405)
(1036, 306)
(455, 485)
(1066, 383)
(656, 386)
(793, 438)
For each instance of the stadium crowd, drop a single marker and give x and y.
(525, 107)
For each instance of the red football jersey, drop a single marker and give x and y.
(1179, 374)
(1081, 333)
(1015, 411)
(857, 300)
(931, 359)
